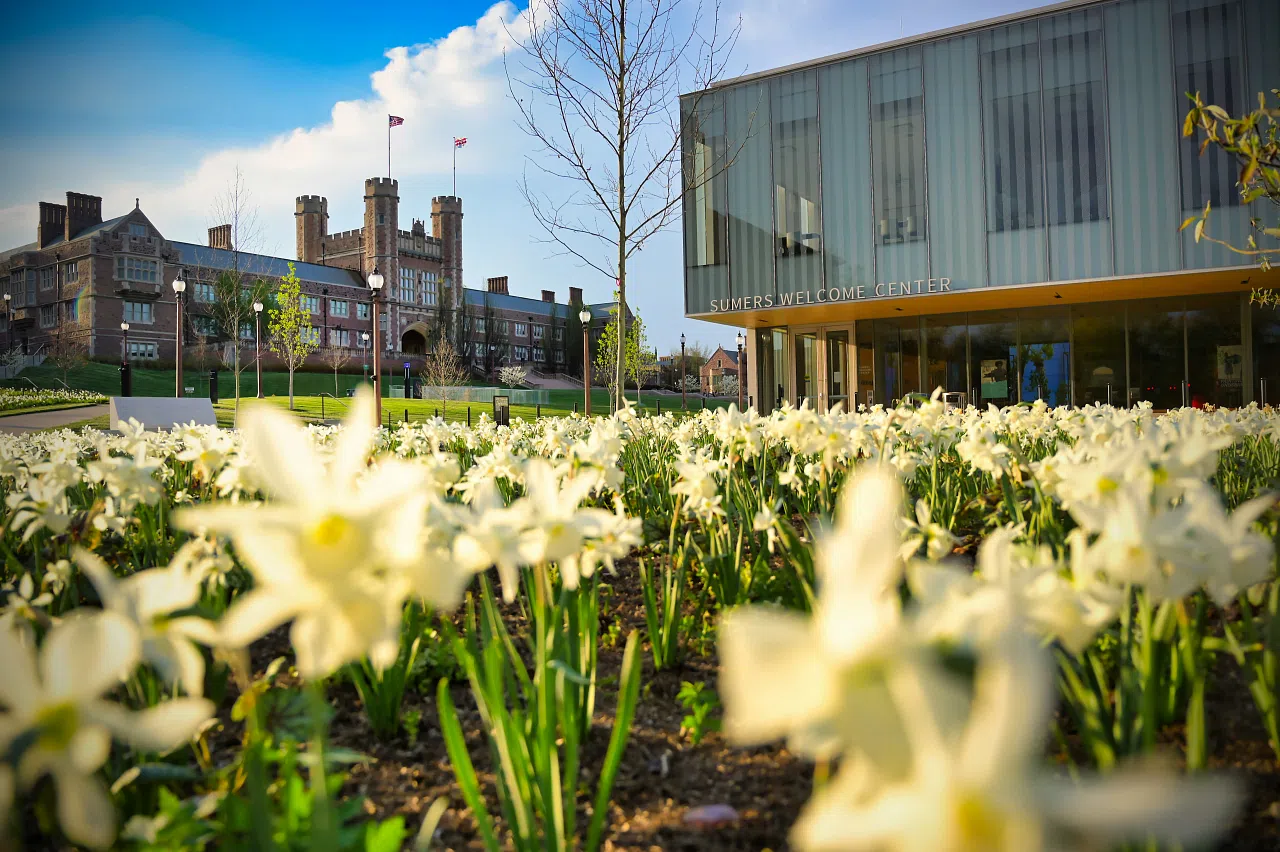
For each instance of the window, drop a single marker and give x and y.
(246, 331)
(559, 356)
(797, 210)
(71, 273)
(340, 337)
(137, 229)
(1010, 68)
(897, 146)
(71, 311)
(537, 331)
(382, 218)
(362, 310)
(522, 353)
(522, 330)
(205, 326)
(706, 205)
(479, 323)
(363, 342)
(430, 289)
(537, 354)
(46, 279)
(204, 292)
(142, 350)
(506, 327)
(1206, 58)
(407, 277)
(1074, 118)
(139, 312)
(137, 269)
(339, 308)
(311, 304)
(15, 288)
(48, 316)
(31, 286)
(559, 335)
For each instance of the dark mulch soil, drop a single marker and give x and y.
(663, 776)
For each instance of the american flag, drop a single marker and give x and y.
(394, 121)
(458, 143)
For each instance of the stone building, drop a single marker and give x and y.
(83, 276)
(722, 363)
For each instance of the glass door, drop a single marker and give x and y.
(838, 369)
(807, 369)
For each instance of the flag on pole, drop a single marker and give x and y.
(459, 142)
(394, 121)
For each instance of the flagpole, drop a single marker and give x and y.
(388, 147)
(455, 168)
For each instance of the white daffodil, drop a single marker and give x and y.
(56, 697)
(936, 539)
(975, 784)
(553, 510)
(766, 521)
(489, 536)
(819, 681)
(150, 600)
(332, 548)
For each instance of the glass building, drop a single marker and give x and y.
(993, 209)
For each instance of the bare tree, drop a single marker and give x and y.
(442, 370)
(336, 357)
(599, 95)
(237, 284)
(69, 347)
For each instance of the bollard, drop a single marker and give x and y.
(322, 407)
(537, 411)
(437, 412)
(468, 416)
(704, 403)
(659, 404)
(575, 408)
(126, 380)
(406, 415)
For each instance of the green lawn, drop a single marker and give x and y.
(397, 410)
(105, 379)
(57, 406)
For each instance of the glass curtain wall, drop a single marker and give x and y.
(864, 335)
(897, 161)
(897, 358)
(993, 357)
(946, 346)
(1215, 351)
(1098, 343)
(1044, 355)
(1265, 328)
(706, 201)
(797, 209)
(771, 369)
(807, 369)
(838, 369)
(1157, 362)
(749, 185)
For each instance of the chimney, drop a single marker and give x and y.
(220, 237)
(575, 296)
(498, 285)
(52, 224)
(549, 296)
(83, 211)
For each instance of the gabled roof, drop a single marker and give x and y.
(530, 306)
(91, 231)
(198, 256)
(732, 355)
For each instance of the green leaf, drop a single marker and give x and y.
(463, 770)
(386, 836)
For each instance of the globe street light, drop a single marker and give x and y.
(124, 327)
(179, 287)
(364, 339)
(375, 284)
(8, 320)
(126, 380)
(684, 395)
(742, 340)
(584, 317)
(257, 342)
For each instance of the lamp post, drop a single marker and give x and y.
(742, 339)
(179, 287)
(257, 342)
(126, 379)
(684, 395)
(375, 284)
(364, 337)
(8, 320)
(124, 356)
(584, 317)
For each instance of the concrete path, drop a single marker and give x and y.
(17, 424)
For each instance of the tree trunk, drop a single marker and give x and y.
(291, 387)
(336, 393)
(235, 365)
(622, 206)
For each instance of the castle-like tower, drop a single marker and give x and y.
(381, 225)
(446, 226)
(311, 223)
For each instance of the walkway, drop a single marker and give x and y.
(18, 424)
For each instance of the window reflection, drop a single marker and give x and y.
(1099, 340)
(797, 213)
(1044, 355)
(946, 347)
(807, 369)
(838, 369)
(1215, 351)
(705, 158)
(1156, 352)
(1011, 81)
(1074, 118)
(897, 145)
(993, 357)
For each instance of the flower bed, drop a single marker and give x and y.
(19, 399)
(971, 630)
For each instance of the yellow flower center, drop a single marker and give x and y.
(57, 726)
(1107, 485)
(332, 531)
(980, 826)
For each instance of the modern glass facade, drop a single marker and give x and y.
(1032, 154)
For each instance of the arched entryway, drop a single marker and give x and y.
(413, 342)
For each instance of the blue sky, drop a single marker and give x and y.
(163, 101)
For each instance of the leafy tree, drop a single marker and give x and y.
(635, 353)
(292, 337)
(512, 375)
(1253, 141)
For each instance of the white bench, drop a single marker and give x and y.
(158, 412)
